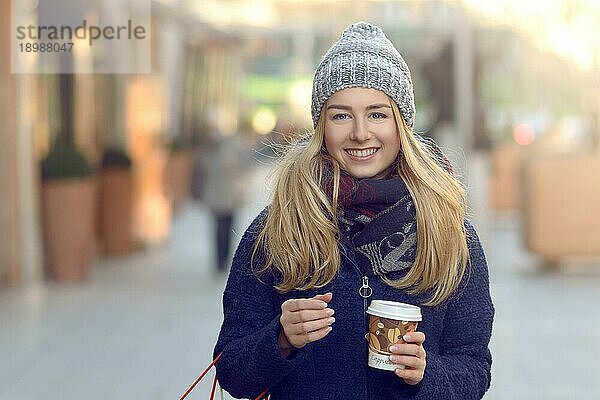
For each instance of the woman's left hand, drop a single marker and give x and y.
(410, 357)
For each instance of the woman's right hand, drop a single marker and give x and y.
(304, 321)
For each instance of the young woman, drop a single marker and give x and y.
(363, 209)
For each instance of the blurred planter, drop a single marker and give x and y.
(179, 173)
(505, 180)
(68, 208)
(560, 218)
(116, 203)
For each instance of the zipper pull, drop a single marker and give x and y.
(365, 290)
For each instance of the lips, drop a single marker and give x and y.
(362, 153)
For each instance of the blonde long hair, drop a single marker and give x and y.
(300, 233)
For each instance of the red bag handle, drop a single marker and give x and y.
(214, 385)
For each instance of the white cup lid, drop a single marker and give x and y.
(394, 310)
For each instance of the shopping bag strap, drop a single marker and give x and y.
(214, 385)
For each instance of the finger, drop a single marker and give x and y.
(408, 361)
(414, 337)
(407, 349)
(311, 326)
(308, 315)
(318, 335)
(303, 304)
(324, 297)
(410, 376)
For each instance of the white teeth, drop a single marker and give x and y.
(361, 153)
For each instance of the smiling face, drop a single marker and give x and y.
(361, 132)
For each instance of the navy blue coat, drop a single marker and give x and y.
(457, 337)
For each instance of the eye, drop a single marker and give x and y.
(378, 115)
(341, 116)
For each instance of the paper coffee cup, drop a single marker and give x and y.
(388, 322)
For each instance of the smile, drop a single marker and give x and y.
(362, 153)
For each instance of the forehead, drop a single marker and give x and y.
(358, 97)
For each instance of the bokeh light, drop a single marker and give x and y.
(264, 121)
(524, 134)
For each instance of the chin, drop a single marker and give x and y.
(362, 174)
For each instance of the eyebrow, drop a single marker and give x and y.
(369, 107)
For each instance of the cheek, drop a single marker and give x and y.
(328, 144)
(393, 141)
(397, 146)
(333, 144)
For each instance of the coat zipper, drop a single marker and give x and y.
(365, 292)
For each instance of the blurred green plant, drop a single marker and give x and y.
(115, 157)
(65, 160)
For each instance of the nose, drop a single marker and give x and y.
(360, 131)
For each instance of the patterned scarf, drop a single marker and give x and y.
(377, 218)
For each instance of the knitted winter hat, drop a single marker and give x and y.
(364, 57)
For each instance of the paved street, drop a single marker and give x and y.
(143, 327)
(547, 328)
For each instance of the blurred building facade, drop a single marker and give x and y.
(244, 62)
(149, 116)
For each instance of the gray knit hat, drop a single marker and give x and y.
(364, 57)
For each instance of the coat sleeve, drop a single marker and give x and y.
(251, 360)
(462, 368)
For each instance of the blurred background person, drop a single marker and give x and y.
(222, 161)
